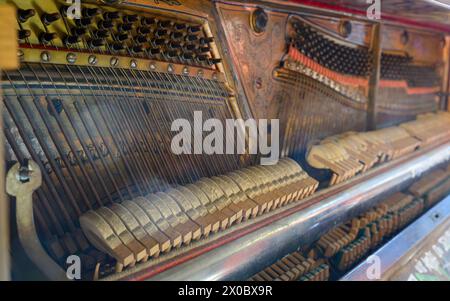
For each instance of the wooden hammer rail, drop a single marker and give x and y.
(134, 230)
(352, 153)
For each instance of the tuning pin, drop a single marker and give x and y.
(137, 49)
(159, 42)
(205, 40)
(111, 15)
(175, 45)
(125, 27)
(24, 14)
(204, 49)
(101, 33)
(71, 40)
(154, 51)
(176, 35)
(121, 37)
(95, 43)
(64, 10)
(187, 55)
(179, 26)
(47, 19)
(105, 24)
(78, 31)
(47, 37)
(118, 46)
(191, 38)
(171, 53)
(130, 18)
(148, 21)
(90, 12)
(143, 30)
(190, 47)
(83, 22)
(141, 39)
(202, 57)
(194, 29)
(161, 32)
(164, 24)
(23, 34)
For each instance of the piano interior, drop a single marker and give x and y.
(355, 108)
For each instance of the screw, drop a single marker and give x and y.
(45, 56)
(170, 68)
(71, 58)
(92, 60)
(114, 61)
(152, 66)
(185, 70)
(133, 64)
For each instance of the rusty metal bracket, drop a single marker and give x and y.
(21, 182)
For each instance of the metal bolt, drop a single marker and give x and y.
(185, 70)
(20, 53)
(170, 68)
(92, 60)
(200, 73)
(114, 61)
(133, 64)
(45, 56)
(152, 66)
(71, 58)
(24, 173)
